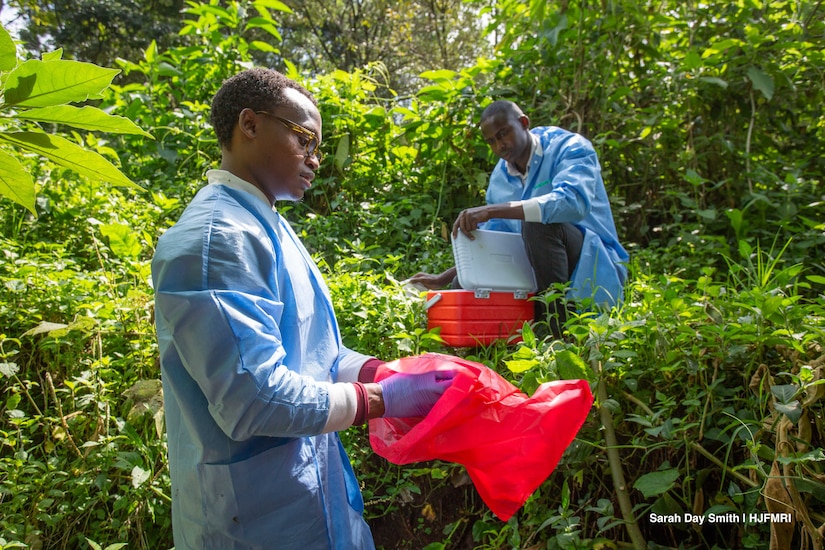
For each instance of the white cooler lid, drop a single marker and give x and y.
(495, 260)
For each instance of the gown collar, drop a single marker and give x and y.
(223, 177)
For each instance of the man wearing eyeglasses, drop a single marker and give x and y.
(256, 380)
(547, 186)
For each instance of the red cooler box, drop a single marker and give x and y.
(497, 283)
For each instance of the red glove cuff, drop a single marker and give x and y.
(362, 405)
(368, 369)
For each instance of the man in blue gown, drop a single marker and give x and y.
(256, 380)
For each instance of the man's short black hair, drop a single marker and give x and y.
(502, 106)
(258, 89)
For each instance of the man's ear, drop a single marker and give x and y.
(525, 122)
(248, 123)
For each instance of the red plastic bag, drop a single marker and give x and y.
(508, 442)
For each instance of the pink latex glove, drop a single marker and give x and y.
(408, 395)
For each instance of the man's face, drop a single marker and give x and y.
(285, 161)
(509, 137)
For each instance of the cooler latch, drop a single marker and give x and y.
(483, 293)
(520, 294)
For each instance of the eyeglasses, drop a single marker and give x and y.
(312, 144)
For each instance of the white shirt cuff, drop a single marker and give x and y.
(342, 407)
(532, 210)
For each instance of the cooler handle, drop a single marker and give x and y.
(432, 301)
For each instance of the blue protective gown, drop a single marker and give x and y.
(249, 347)
(564, 184)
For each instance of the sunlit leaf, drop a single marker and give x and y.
(442, 74)
(521, 365)
(36, 83)
(70, 155)
(85, 118)
(342, 152)
(15, 182)
(8, 51)
(9, 369)
(572, 367)
(139, 476)
(122, 240)
(45, 326)
(273, 5)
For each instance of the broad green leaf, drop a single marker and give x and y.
(656, 483)
(273, 5)
(122, 240)
(572, 367)
(86, 118)
(45, 326)
(263, 46)
(792, 410)
(342, 152)
(151, 52)
(139, 476)
(761, 81)
(784, 393)
(443, 74)
(518, 366)
(15, 182)
(56, 55)
(818, 279)
(8, 51)
(70, 155)
(36, 83)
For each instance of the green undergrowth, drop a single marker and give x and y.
(712, 385)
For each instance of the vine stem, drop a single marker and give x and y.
(615, 463)
(748, 142)
(62, 418)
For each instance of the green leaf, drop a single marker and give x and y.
(443, 74)
(342, 152)
(9, 369)
(139, 476)
(122, 240)
(8, 51)
(521, 365)
(263, 46)
(714, 80)
(656, 483)
(761, 82)
(273, 5)
(572, 367)
(784, 393)
(36, 83)
(818, 279)
(792, 410)
(15, 182)
(70, 155)
(56, 55)
(85, 118)
(44, 327)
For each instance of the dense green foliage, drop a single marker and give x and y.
(709, 377)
